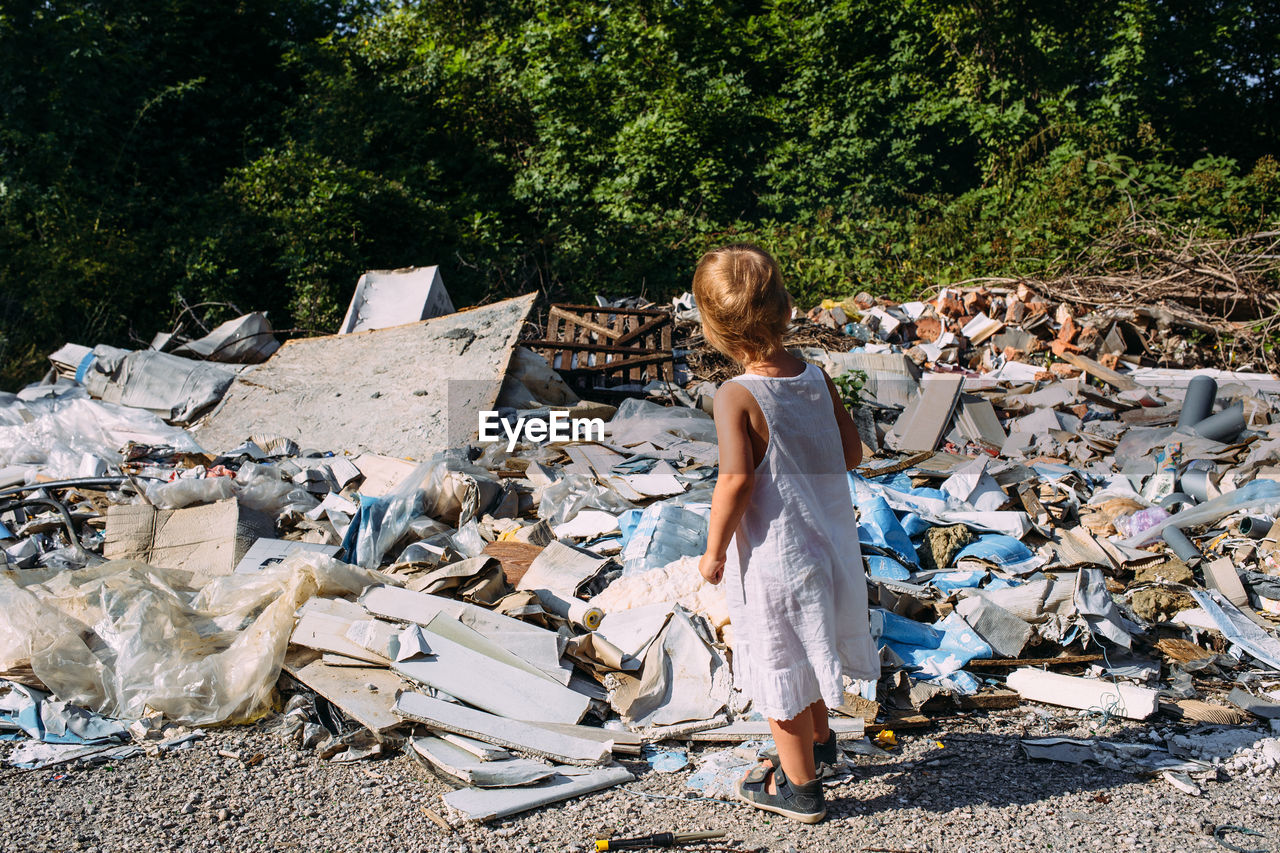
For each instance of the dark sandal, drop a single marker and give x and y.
(804, 803)
(826, 757)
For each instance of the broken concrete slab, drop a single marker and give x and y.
(403, 391)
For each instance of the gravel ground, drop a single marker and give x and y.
(974, 793)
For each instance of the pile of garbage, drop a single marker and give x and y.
(525, 615)
(982, 327)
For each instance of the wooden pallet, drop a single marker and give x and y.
(598, 347)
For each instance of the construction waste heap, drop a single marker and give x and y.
(218, 529)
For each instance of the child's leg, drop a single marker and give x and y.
(794, 739)
(821, 722)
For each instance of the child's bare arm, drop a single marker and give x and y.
(736, 478)
(850, 440)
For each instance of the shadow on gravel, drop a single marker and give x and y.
(970, 770)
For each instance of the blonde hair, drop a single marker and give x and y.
(744, 306)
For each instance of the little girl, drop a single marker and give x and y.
(783, 535)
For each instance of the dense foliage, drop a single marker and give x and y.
(265, 152)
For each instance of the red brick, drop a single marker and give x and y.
(949, 306)
(1069, 330)
(976, 301)
(928, 329)
(1064, 371)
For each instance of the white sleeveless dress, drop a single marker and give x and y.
(793, 578)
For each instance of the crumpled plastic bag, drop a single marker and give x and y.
(259, 487)
(640, 420)
(561, 500)
(176, 494)
(125, 636)
(455, 491)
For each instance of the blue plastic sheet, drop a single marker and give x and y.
(886, 568)
(627, 521)
(935, 650)
(43, 718)
(915, 526)
(880, 528)
(1004, 552)
(947, 582)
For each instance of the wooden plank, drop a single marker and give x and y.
(668, 367)
(626, 363)
(349, 689)
(645, 328)
(582, 322)
(564, 331)
(587, 309)
(903, 721)
(1064, 660)
(590, 347)
(1106, 402)
(512, 734)
(1098, 371)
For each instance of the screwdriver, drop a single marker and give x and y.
(658, 839)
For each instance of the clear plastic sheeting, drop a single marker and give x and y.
(180, 493)
(124, 637)
(455, 491)
(54, 436)
(382, 521)
(561, 500)
(1257, 496)
(639, 420)
(259, 487)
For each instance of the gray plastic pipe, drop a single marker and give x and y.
(1178, 499)
(1254, 527)
(1182, 546)
(1198, 404)
(1225, 425)
(1195, 482)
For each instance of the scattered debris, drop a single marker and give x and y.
(1050, 509)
